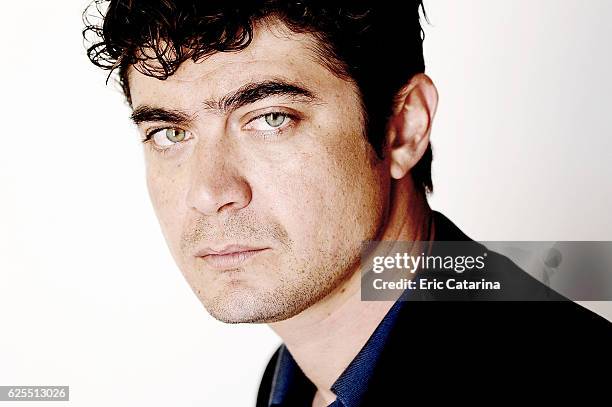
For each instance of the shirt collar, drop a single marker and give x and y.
(290, 387)
(353, 382)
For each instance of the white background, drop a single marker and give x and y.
(89, 295)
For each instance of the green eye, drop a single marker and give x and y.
(275, 119)
(175, 135)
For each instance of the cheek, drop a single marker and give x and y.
(164, 188)
(353, 193)
(331, 199)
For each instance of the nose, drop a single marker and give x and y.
(216, 184)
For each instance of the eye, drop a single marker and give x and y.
(167, 137)
(269, 121)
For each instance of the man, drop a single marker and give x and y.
(280, 136)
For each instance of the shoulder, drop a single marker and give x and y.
(515, 284)
(525, 308)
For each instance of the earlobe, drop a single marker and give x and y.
(410, 124)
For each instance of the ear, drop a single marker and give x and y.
(410, 124)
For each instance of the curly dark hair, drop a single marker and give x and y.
(376, 44)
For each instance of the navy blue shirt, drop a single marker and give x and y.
(290, 387)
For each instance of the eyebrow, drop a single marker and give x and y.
(245, 95)
(254, 92)
(147, 113)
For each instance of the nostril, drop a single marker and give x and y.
(211, 195)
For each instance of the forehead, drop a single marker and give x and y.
(275, 51)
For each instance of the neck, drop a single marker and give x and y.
(327, 336)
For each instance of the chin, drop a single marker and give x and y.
(239, 304)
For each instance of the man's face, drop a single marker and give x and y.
(266, 159)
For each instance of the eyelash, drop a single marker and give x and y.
(149, 134)
(147, 141)
(266, 135)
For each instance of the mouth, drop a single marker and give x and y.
(230, 258)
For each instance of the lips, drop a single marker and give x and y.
(229, 257)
